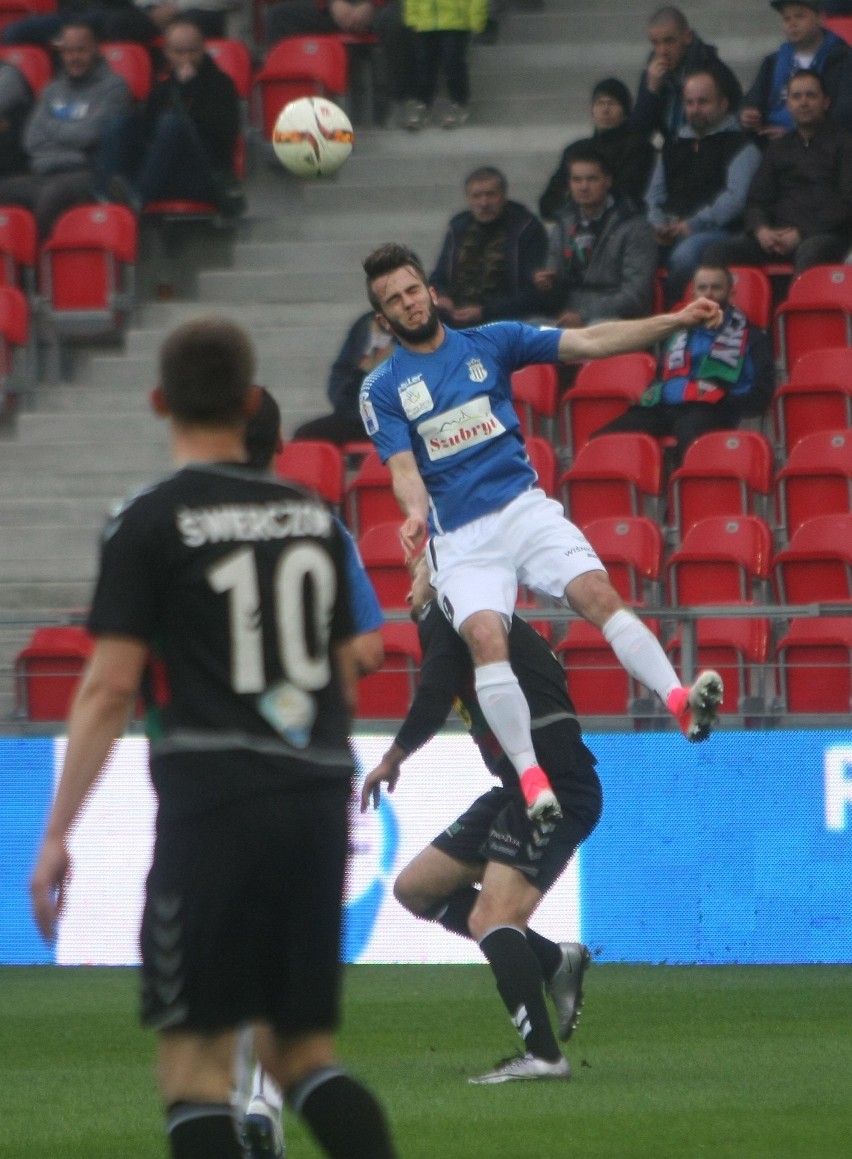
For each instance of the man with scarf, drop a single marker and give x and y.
(707, 380)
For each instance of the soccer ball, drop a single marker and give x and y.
(312, 137)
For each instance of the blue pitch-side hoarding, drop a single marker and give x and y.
(738, 850)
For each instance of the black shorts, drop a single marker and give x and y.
(496, 828)
(242, 916)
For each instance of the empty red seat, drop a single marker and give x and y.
(816, 314)
(48, 670)
(544, 462)
(14, 336)
(131, 61)
(723, 473)
(314, 463)
(721, 560)
(29, 59)
(597, 683)
(384, 559)
(815, 665)
(535, 391)
(613, 475)
(738, 649)
(299, 66)
(388, 693)
(369, 497)
(631, 549)
(816, 566)
(18, 248)
(816, 480)
(752, 292)
(601, 392)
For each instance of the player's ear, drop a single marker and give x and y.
(158, 403)
(252, 402)
(433, 294)
(382, 321)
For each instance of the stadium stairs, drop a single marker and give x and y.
(290, 271)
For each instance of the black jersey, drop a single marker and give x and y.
(447, 679)
(237, 583)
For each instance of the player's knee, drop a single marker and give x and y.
(486, 637)
(410, 896)
(593, 597)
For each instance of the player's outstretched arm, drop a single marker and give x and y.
(99, 714)
(387, 770)
(607, 338)
(413, 499)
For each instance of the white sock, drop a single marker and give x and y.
(265, 1087)
(640, 653)
(505, 708)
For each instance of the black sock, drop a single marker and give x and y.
(548, 953)
(346, 1119)
(519, 984)
(202, 1130)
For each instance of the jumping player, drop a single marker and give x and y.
(234, 583)
(439, 411)
(494, 843)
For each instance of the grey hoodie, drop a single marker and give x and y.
(66, 126)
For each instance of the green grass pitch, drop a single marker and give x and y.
(669, 1063)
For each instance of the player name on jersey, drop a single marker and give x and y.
(251, 522)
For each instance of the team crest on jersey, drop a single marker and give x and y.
(415, 397)
(476, 370)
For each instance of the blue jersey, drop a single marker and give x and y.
(453, 408)
(364, 604)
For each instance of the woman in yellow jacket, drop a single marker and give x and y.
(443, 29)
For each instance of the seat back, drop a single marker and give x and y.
(631, 549)
(535, 390)
(815, 665)
(828, 364)
(752, 292)
(384, 559)
(596, 681)
(14, 332)
(602, 390)
(816, 314)
(18, 247)
(542, 456)
(723, 473)
(389, 692)
(300, 66)
(369, 497)
(738, 649)
(84, 260)
(48, 670)
(131, 61)
(800, 409)
(721, 560)
(31, 60)
(841, 26)
(817, 479)
(613, 475)
(234, 58)
(817, 563)
(315, 464)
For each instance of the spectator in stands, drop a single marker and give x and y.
(443, 31)
(602, 257)
(211, 16)
(183, 145)
(707, 380)
(365, 346)
(629, 153)
(65, 131)
(700, 183)
(16, 101)
(109, 19)
(799, 206)
(676, 51)
(491, 251)
(808, 44)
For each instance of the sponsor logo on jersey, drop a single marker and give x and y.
(455, 430)
(415, 397)
(476, 370)
(368, 417)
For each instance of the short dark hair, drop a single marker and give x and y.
(384, 260)
(668, 14)
(713, 74)
(206, 371)
(80, 22)
(721, 267)
(813, 74)
(263, 432)
(487, 173)
(588, 155)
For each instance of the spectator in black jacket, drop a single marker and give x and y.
(188, 131)
(676, 51)
(490, 253)
(628, 153)
(16, 100)
(799, 206)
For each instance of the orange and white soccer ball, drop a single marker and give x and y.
(312, 137)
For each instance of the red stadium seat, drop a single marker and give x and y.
(18, 248)
(384, 559)
(722, 560)
(631, 549)
(29, 59)
(597, 683)
(738, 649)
(800, 410)
(299, 66)
(14, 337)
(234, 58)
(828, 364)
(817, 479)
(613, 475)
(602, 390)
(48, 670)
(816, 314)
(315, 464)
(753, 294)
(389, 692)
(723, 473)
(841, 26)
(131, 61)
(535, 391)
(817, 564)
(369, 497)
(544, 462)
(815, 665)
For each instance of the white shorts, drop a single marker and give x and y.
(478, 566)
